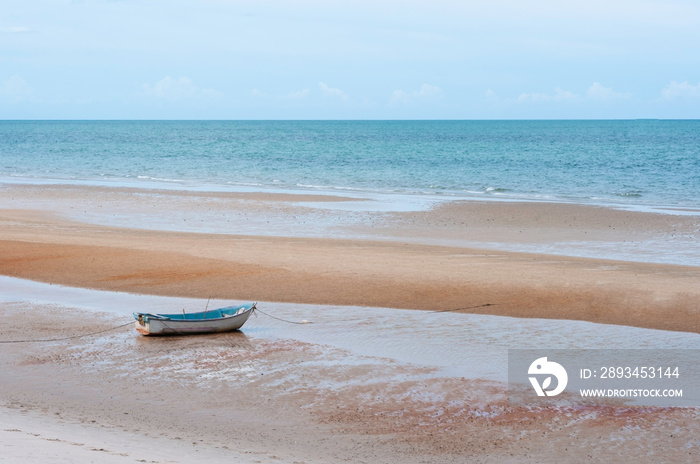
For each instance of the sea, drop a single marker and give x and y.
(400, 166)
(638, 164)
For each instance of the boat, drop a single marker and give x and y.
(211, 321)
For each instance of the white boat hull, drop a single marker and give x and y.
(149, 324)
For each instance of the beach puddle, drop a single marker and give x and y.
(463, 345)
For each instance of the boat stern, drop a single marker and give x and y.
(142, 324)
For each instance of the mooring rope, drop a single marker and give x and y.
(255, 310)
(283, 320)
(462, 309)
(354, 320)
(67, 338)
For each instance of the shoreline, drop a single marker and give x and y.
(321, 194)
(559, 229)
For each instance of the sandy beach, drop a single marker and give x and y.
(68, 235)
(252, 397)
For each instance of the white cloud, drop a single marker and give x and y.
(15, 89)
(178, 89)
(595, 92)
(558, 96)
(400, 97)
(332, 93)
(426, 93)
(299, 94)
(683, 89)
(598, 92)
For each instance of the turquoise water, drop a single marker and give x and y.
(632, 163)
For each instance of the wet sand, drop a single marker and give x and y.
(268, 399)
(277, 392)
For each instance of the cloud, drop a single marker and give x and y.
(15, 29)
(559, 95)
(598, 92)
(426, 93)
(178, 89)
(330, 92)
(676, 90)
(299, 94)
(15, 89)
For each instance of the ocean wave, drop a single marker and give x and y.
(497, 190)
(339, 187)
(246, 184)
(630, 194)
(161, 179)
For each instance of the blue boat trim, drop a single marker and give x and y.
(211, 315)
(225, 319)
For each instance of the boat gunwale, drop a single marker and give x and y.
(166, 317)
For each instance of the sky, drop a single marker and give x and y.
(362, 59)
